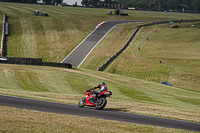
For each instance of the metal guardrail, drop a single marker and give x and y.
(22, 61)
(32, 61)
(4, 34)
(27, 61)
(102, 67)
(105, 65)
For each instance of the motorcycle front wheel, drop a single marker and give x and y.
(81, 103)
(100, 103)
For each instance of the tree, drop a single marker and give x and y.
(85, 2)
(32, 1)
(58, 1)
(47, 1)
(195, 5)
(172, 4)
(151, 6)
(186, 4)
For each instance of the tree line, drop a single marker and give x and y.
(146, 4)
(33, 1)
(163, 4)
(137, 4)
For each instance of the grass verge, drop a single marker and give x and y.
(180, 57)
(68, 86)
(20, 120)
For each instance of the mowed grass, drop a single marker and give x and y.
(111, 43)
(23, 121)
(52, 38)
(68, 86)
(174, 46)
(178, 50)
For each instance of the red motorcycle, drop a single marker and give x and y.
(97, 100)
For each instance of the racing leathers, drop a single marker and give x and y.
(102, 87)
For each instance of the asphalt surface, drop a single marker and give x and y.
(78, 55)
(108, 114)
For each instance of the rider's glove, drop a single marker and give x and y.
(89, 89)
(94, 87)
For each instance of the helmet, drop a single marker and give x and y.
(102, 83)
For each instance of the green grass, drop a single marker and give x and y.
(179, 50)
(23, 121)
(180, 57)
(52, 38)
(68, 85)
(97, 58)
(129, 76)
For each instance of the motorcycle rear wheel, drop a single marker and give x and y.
(81, 103)
(101, 103)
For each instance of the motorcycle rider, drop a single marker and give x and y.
(102, 87)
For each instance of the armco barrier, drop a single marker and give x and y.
(22, 61)
(104, 66)
(6, 29)
(32, 61)
(4, 34)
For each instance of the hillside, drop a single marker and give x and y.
(52, 38)
(133, 77)
(68, 85)
(177, 48)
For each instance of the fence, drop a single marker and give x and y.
(102, 67)
(4, 34)
(105, 65)
(32, 61)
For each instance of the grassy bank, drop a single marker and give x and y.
(19, 120)
(52, 38)
(177, 48)
(129, 77)
(68, 85)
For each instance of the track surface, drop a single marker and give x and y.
(78, 55)
(67, 109)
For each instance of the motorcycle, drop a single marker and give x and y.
(99, 101)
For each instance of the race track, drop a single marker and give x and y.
(67, 109)
(79, 54)
(76, 57)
